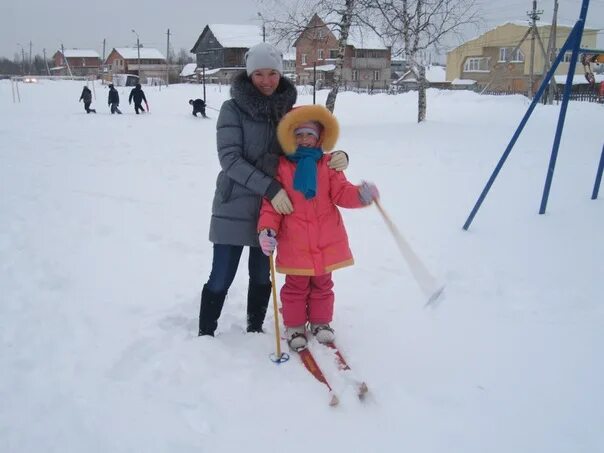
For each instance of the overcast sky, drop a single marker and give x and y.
(47, 24)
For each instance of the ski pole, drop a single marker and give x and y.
(429, 285)
(279, 357)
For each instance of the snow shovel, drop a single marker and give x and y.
(429, 285)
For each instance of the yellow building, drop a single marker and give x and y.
(483, 59)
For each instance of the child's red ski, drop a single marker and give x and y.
(360, 386)
(313, 367)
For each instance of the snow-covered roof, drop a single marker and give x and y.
(463, 82)
(578, 79)
(131, 53)
(322, 68)
(363, 39)
(540, 23)
(188, 70)
(290, 54)
(80, 53)
(239, 36)
(434, 74)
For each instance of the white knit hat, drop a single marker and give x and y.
(263, 56)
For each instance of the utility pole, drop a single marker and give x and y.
(138, 48)
(29, 57)
(168, 59)
(46, 61)
(534, 17)
(551, 53)
(263, 27)
(66, 60)
(104, 42)
(22, 59)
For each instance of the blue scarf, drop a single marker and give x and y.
(305, 177)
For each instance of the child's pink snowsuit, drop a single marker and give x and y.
(312, 241)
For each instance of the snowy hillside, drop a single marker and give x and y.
(103, 252)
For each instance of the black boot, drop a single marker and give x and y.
(257, 301)
(209, 311)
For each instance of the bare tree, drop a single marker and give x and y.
(287, 20)
(414, 26)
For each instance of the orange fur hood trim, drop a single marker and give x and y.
(302, 114)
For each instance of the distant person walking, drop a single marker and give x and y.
(198, 107)
(138, 95)
(113, 100)
(87, 98)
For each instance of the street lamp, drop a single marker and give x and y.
(138, 49)
(263, 27)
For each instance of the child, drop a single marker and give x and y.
(312, 240)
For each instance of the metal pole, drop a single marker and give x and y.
(168, 59)
(594, 195)
(576, 44)
(203, 78)
(570, 40)
(29, 71)
(314, 83)
(138, 49)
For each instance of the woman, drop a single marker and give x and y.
(249, 153)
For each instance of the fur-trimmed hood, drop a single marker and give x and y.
(302, 114)
(259, 106)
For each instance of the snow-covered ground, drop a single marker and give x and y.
(103, 251)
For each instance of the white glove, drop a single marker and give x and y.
(338, 161)
(282, 203)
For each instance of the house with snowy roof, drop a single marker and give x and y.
(77, 62)
(366, 58)
(492, 59)
(223, 46)
(144, 62)
(436, 76)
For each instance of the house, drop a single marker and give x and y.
(77, 62)
(487, 60)
(435, 76)
(366, 58)
(224, 46)
(145, 62)
(189, 73)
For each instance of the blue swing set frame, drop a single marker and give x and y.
(573, 42)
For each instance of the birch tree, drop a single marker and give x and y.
(413, 27)
(287, 20)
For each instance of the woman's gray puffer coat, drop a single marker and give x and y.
(249, 153)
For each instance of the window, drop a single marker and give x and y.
(505, 54)
(320, 54)
(476, 64)
(376, 75)
(333, 53)
(355, 75)
(304, 59)
(321, 34)
(83, 62)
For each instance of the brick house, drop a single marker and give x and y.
(366, 58)
(223, 46)
(483, 59)
(81, 62)
(125, 60)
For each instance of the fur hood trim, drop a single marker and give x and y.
(302, 114)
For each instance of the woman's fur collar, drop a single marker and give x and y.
(259, 106)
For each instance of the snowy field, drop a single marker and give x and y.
(103, 252)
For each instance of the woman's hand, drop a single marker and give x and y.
(282, 203)
(338, 161)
